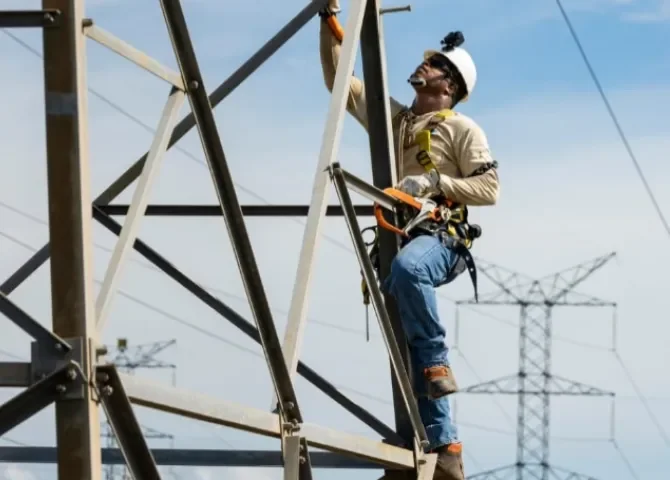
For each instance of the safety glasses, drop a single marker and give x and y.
(438, 61)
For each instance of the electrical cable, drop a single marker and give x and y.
(203, 164)
(188, 154)
(341, 245)
(625, 459)
(650, 193)
(355, 331)
(614, 118)
(211, 334)
(661, 431)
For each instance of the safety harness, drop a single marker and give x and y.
(437, 216)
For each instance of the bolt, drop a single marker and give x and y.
(290, 405)
(71, 373)
(107, 390)
(303, 460)
(193, 84)
(58, 345)
(61, 388)
(48, 18)
(384, 11)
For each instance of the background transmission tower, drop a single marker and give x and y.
(534, 383)
(128, 359)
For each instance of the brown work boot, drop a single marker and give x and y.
(440, 381)
(449, 462)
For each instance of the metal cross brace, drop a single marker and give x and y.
(63, 383)
(339, 180)
(125, 426)
(225, 189)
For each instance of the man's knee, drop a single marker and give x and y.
(412, 261)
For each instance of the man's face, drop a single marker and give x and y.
(433, 70)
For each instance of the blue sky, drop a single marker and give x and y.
(569, 193)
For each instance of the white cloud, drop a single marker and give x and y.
(660, 12)
(17, 472)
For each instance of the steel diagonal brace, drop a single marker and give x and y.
(232, 213)
(340, 180)
(138, 206)
(127, 430)
(61, 383)
(248, 329)
(46, 338)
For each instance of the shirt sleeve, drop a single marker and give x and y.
(480, 184)
(329, 49)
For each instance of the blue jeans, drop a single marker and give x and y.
(419, 267)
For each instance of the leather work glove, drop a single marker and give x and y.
(417, 185)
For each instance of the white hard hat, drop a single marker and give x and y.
(462, 60)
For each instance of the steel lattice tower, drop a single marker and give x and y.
(535, 383)
(128, 359)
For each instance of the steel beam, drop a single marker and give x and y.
(136, 56)
(213, 410)
(194, 458)
(182, 128)
(29, 18)
(139, 203)
(247, 210)
(248, 329)
(330, 145)
(77, 420)
(400, 373)
(15, 374)
(31, 326)
(225, 190)
(384, 175)
(124, 424)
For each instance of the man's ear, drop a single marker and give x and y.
(451, 89)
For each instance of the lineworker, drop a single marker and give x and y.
(466, 173)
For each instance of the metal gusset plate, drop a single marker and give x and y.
(60, 384)
(397, 363)
(45, 337)
(119, 411)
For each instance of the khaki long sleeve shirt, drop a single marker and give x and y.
(459, 146)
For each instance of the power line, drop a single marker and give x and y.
(322, 323)
(614, 118)
(643, 400)
(255, 195)
(211, 334)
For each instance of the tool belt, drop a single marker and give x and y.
(447, 221)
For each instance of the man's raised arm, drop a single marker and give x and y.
(329, 49)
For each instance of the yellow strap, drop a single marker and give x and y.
(422, 139)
